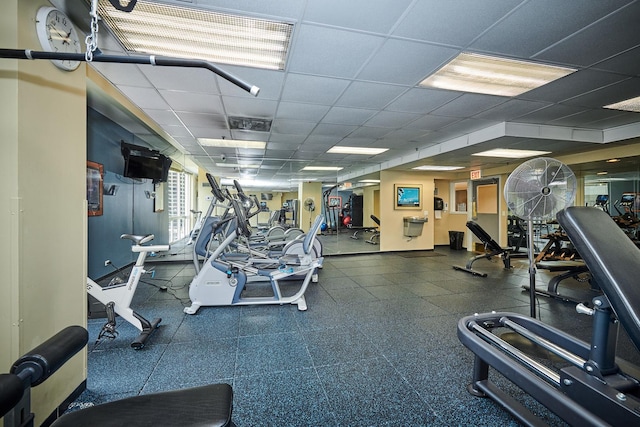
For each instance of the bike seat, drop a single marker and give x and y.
(138, 240)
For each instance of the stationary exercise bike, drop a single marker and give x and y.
(117, 296)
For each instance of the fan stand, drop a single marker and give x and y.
(532, 270)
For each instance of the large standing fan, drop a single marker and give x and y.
(310, 205)
(535, 191)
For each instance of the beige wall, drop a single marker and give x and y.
(391, 220)
(42, 191)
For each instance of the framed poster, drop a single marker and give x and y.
(408, 196)
(95, 174)
(335, 201)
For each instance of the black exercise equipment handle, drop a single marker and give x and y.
(133, 59)
(41, 362)
(11, 391)
(215, 188)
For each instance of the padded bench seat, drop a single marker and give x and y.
(187, 407)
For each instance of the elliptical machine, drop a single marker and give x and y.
(221, 283)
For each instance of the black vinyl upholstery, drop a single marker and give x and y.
(612, 258)
(188, 407)
(484, 237)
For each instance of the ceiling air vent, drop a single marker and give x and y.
(249, 123)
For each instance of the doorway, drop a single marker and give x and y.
(485, 209)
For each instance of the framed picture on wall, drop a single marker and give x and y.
(408, 196)
(335, 201)
(95, 174)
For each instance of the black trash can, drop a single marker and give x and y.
(455, 239)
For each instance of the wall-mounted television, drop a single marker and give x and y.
(142, 162)
(408, 196)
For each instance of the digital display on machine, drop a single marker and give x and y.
(627, 199)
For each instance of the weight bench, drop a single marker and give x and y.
(357, 230)
(570, 269)
(209, 405)
(375, 237)
(591, 389)
(491, 247)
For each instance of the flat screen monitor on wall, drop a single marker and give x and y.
(141, 162)
(408, 196)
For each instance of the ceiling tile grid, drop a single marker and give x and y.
(352, 73)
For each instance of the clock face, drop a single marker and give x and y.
(57, 33)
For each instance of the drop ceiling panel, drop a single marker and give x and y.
(289, 9)
(418, 100)
(624, 63)
(626, 89)
(511, 109)
(292, 127)
(144, 97)
(369, 132)
(313, 89)
(347, 116)
(404, 134)
(300, 111)
(573, 85)
(550, 113)
(356, 142)
(589, 116)
(538, 24)
(331, 52)
(432, 20)
(432, 122)
(193, 120)
(209, 132)
(469, 104)
(391, 119)
(247, 107)
(623, 119)
(286, 139)
(177, 131)
(406, 70)
(182, 79)
(379, 17)
(193, 102)
(338, 131)
(122, 74)
(289, 147)
(163, 117)
(369, 95)
(612, 35)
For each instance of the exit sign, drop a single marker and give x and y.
(477, 174)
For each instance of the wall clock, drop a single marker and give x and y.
(57, 33)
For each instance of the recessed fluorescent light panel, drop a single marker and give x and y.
(372, 181)
(171, 30)
(231, 143)
(356, 150)
(438, 168)
(491, 75)
(322, 168)
(508, 153)
(632, 104)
